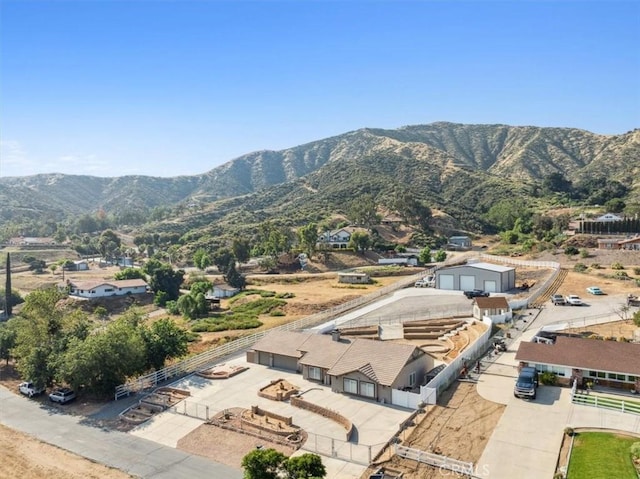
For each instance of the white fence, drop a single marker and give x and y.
(192, 409)
(629, 407)
(411, 400)
(467, 356)
(207, 358)
(341, 449)
(437, 460)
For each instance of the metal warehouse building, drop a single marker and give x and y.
(486, 276)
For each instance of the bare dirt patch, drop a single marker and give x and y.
(28, 458)
(458, 427)
(615, 329)
(227, 445)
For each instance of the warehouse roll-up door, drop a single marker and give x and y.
(490, 286)
(467, 283)
(446, 281)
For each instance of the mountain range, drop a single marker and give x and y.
(456, 168)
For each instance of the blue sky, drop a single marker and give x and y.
(167, 88)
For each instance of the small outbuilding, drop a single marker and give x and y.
(222, 290)
(495, 307)
(486, 276)
(459, 243)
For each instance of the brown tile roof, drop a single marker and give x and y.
(123, 283)
(321, 351)
(591, 354)
(492, 302)
(381, 361)
(285, 343)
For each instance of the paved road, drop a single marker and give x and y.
(134, 455)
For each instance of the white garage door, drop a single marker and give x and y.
(446, 281)
(467, 283)
(490, 286)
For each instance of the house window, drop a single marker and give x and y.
(631, 379)
(367, 389)
(315, 373)
(350, 386)
(412, 379)
(616, 377)
(108, 290)
(597, 374)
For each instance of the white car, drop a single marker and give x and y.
(29, 389)
(573, 300)
(426, 282)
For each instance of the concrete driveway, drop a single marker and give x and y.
(375, 423)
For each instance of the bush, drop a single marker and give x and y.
(580, 267)
(571, 250)
(569, 431)
(636, 271)
(635, 450)
(621, 275)
(548, 378)
(277, 312)
(617, 265)
(584, 253)
(595, 266)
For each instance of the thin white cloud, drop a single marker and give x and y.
(14, 160)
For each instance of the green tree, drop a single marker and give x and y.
(440, 256)
(201, 286)
(129, 273)
(234, 278)
(504, 213)
(263, 464)
(164, 340)
(308, 238)
(187, 306)
(7, 340)
(304, 467)
(425, 255)
(241, 249)
(201, 259)
(360, 241)
(223, 259)
(165, 279)
(615, 205)
(413, 211)
(109, 244)
(363, 211)
(636, 318)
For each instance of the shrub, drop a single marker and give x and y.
(595, 266)
(617, 265)
(584, 253)
(621, 275)
(570, 250)
(580, 267)
(636, 271)
(569, 431)
(277, 312)
(548, 378)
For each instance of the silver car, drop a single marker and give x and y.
(62, 395)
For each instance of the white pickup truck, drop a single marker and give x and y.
(573, 300)
(29, 389)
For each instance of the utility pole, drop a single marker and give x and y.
(7, 289)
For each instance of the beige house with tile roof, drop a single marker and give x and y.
(359, 367)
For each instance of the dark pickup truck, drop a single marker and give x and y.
(476, 293)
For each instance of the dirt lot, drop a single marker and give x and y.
(458, 427)
(28, 458)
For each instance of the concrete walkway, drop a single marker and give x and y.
(134, 455)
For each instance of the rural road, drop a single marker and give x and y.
(136, 456)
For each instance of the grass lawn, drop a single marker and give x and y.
(601, 455)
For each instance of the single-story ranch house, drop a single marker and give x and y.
(609, 363)
(489, 277)
(632, 244)
(360, 367)
(101, 289)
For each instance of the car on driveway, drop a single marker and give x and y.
(426, 282)
(62, 395)
(476, 293)
(573, 300)
(29, 389)
(594, 290)
(558, 300)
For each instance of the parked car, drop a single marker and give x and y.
(594, 290)
(29, 389)
(426, 282)
(526, 384)
(558, 300)
(573, 300)
(476, 293)
(62, 395)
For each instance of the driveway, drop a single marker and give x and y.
(134, 455)
(375, 423)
